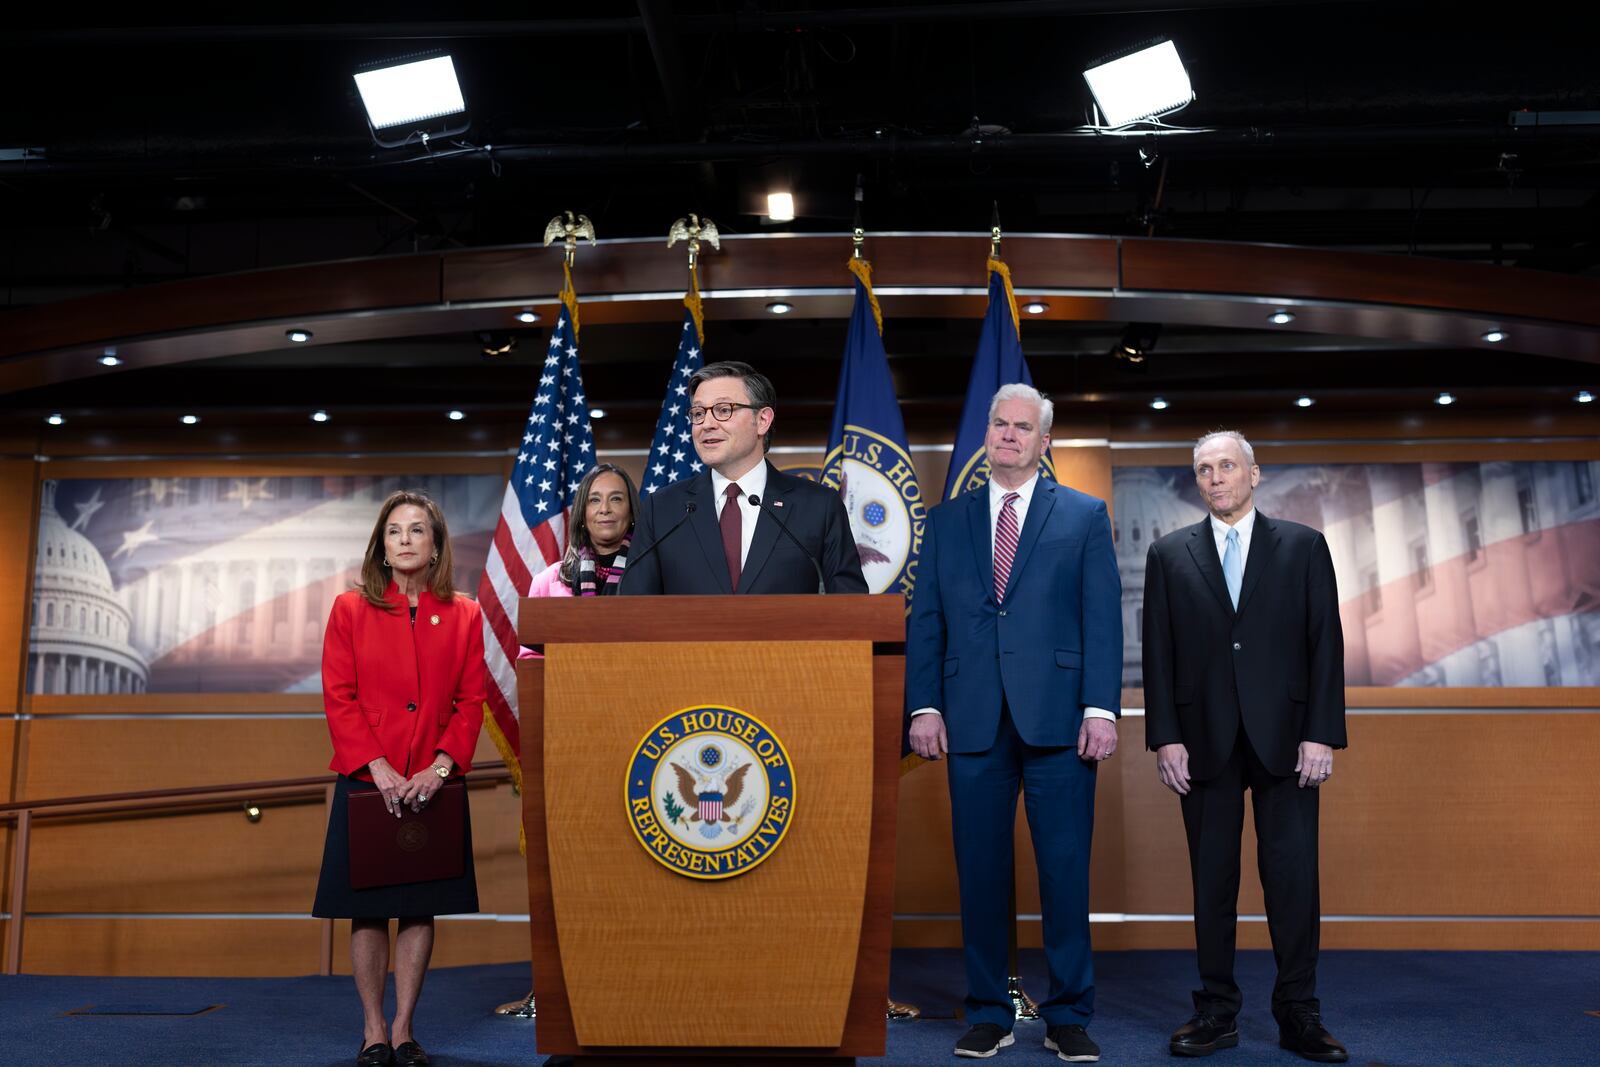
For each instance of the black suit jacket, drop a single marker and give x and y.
(1274, 667)
(691, 561)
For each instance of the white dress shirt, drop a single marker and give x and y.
(1246, 526)
(997, 499)
(754, 481)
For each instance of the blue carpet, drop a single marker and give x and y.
(1395, 1009)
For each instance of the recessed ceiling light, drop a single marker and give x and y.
(1584, 397)
(1159, 404)
(597, 413)
(455, 415)
(780, 207)
(780, 307)
(56, 419)
(319, 416)
(1494, 337)
(1305, 401)
(110, 359)
(527, 315)
(189, 420)
(1444, 400)
(1036, 307)
(1281, 317)
(299, 337)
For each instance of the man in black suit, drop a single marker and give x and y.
(1244, 689)
(726, 543)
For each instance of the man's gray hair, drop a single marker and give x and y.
(1023, 391)
(1232, 435)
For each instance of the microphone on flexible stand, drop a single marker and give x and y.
(755, 501)
(688, 509)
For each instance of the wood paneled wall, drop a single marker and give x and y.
(1452, 829)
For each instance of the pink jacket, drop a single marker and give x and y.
(548, 582)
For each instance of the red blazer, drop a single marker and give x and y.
(403, 692)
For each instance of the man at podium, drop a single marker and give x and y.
(742, 525)
(1014, 667)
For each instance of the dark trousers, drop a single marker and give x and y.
(1286, 855)
(1058, 790)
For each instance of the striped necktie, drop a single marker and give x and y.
(1005, 543)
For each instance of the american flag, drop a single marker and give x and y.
(672, 456)
(557, 449)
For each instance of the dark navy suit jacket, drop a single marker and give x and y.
(1052, 646)
(691, 561)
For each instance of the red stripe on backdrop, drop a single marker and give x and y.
(516, 567)
(500, 624)
(1546, 574)
(548, 547)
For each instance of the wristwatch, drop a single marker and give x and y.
(441, 771)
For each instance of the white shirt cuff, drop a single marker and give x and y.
(926, 711)
(1098, 713)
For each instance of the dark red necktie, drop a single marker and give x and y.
(1005, 543)
(732, 534)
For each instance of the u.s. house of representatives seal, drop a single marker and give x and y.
(887, 513)
(710, 792)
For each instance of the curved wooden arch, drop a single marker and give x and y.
(1393, 298)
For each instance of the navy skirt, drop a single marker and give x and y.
(336, 900)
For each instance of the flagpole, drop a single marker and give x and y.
(568, 228)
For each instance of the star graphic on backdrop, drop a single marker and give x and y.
(161, 488)
(132, 539)
(87, 508)
(247, 492)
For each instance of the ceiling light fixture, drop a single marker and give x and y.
(1159, 404)
(1136, 342)
(415, 97)
(455, 415)
(1281, 317)
(780, 307)
(1494, 337)
(189, 420)
(527, 315)
(56, 420)
(1584, 397)
(1036, 307)
(1444, 400)
(1305, 401)
(1144, 82)
(319, 416)
(110, 358)
(780, 207)
(597, 413)
(298, 336)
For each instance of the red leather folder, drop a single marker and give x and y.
(421, 846)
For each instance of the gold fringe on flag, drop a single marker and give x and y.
(691, 300)
(1005, 274)
(863, 269)
(569, 297)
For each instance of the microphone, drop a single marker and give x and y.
(688, 509)
(756, 501)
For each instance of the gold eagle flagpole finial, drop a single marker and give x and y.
(569, 228)
(694, 229)
(994, 232)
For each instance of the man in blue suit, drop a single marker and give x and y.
(1013, 669)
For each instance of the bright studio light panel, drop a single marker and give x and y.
(411, 94)
(1142, 85)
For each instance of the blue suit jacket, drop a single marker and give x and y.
(1052, 646)
(691, 561)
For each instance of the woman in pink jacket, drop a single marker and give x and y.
(597, 537)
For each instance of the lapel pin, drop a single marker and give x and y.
(434, 619)
(777, 503)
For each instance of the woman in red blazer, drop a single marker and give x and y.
(403, 684)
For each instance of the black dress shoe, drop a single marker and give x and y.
(1203, 1035)
(1302, 1032)
(410, 1054)
(377, 1054)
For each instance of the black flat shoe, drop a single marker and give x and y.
(377, 1054)
(410, 1054)
(1203, 1035)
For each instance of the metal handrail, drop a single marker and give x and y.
(160, 801)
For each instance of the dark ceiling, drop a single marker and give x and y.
(140, 154)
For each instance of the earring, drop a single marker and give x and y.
(435, 558)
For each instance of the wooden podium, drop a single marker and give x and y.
(660, 957)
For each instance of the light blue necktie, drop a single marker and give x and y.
(1232, 569)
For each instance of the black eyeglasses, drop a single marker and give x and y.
(723, 412)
